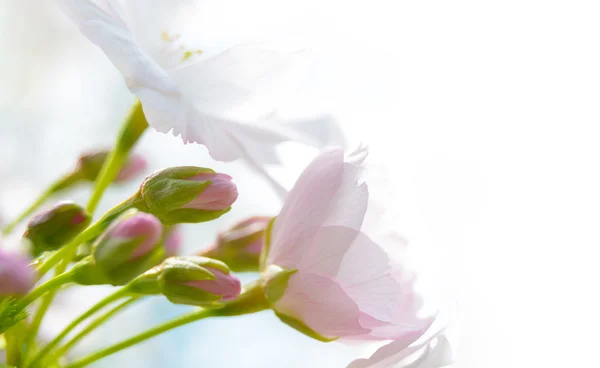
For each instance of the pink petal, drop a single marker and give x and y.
(305, 209)
(327, 193)
(384, 293)
(321, 304)
(360, 266)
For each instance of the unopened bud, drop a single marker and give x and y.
(53, 228)
(173, 241)
(16, 276)
(89, 166)
(241, 245)
(128, 247)
(198, 281)
(187, 194)
(134, 166)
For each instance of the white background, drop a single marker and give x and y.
(486, 112)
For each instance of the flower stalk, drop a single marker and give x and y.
(250, 301)
(119, 294)
(132, 129)
(91, 327)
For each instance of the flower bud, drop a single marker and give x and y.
(198, 281)
(126, 249)
(187, 194)
(16, 276)
(172, 242)
(89, 166)
(53, 228)
(241, 245)
(134, 166)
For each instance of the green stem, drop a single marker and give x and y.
(121, 293)
(62, 278)
(54, 188)
(69, 250)
(14, 342)
(177, 322)
(35, 325)
(92, 326)
(109, 172)
(132, 129)
(251, 301)
(49, 285)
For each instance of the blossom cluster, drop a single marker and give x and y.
(321, 267)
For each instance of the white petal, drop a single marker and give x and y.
(167, 113)
(228, 81)
(319, 131)
(108, 30)
(433, 351)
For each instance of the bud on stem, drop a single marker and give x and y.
(186, 194)
(240, 246)
(197, 281)
(126, 249)
(53, 228)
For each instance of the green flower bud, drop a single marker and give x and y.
(186, 194)
(53, 228)
(198, 281)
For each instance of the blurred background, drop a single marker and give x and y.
(485, 113)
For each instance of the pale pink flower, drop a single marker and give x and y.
(342, 284)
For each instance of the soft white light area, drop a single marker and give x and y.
(486, 113)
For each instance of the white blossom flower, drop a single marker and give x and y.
(195, 97)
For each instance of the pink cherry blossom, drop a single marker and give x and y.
(345, 284)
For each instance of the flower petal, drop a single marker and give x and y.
(305, 209)
(433, 351)
(321, 304)
(107, 29)
(326, 194)
(363, 270)
(232, 79)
